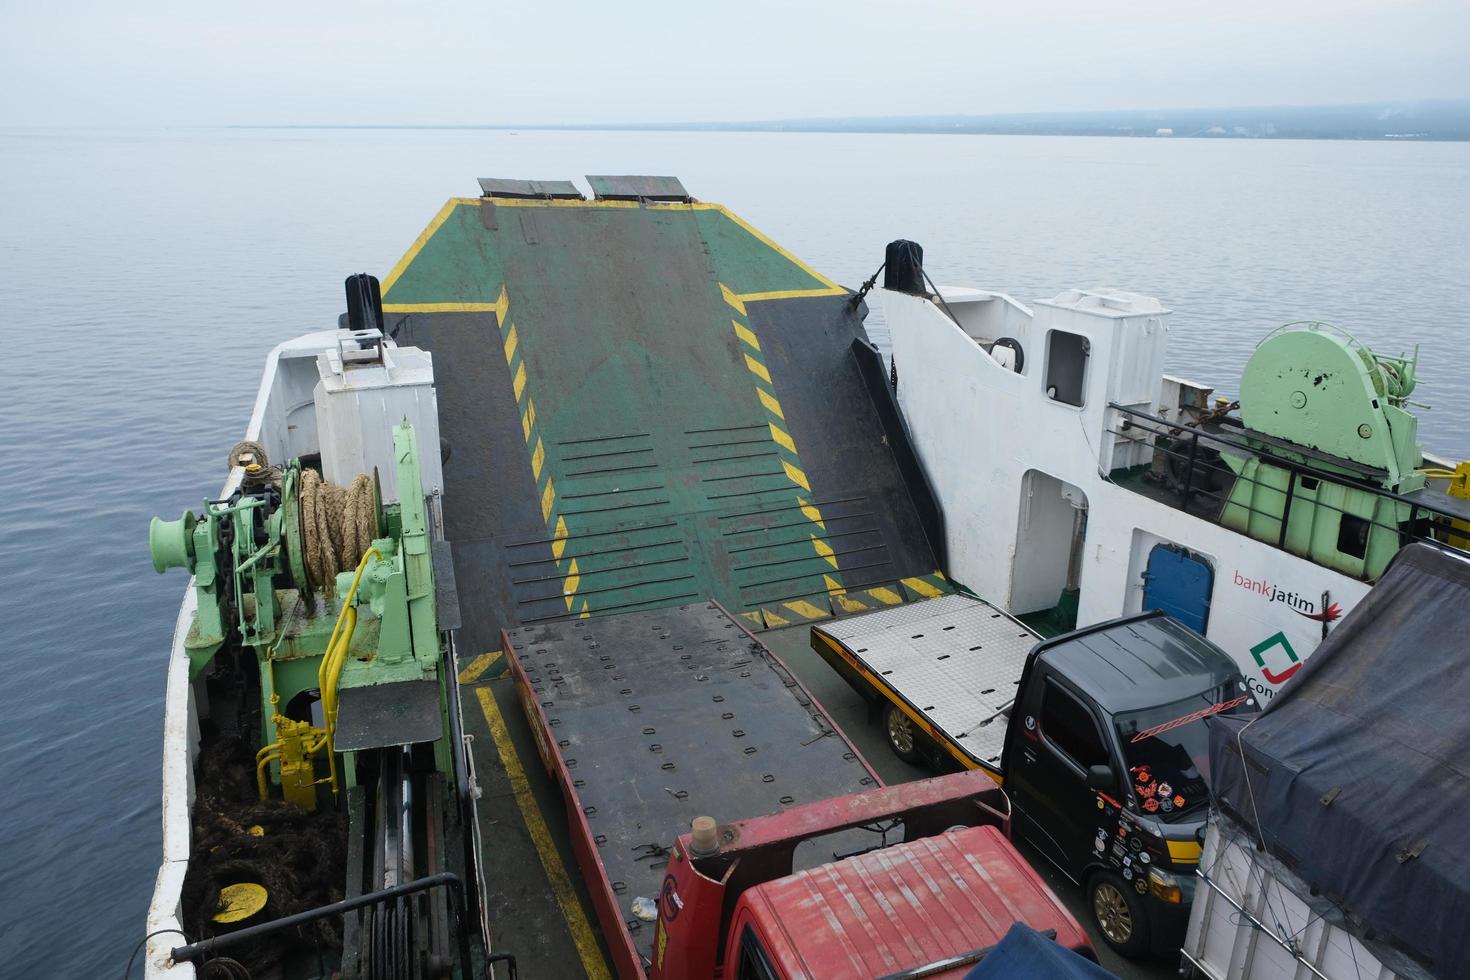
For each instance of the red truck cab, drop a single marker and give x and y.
(929, 906)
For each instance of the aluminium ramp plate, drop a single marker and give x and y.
(664, 715)
(955, 659)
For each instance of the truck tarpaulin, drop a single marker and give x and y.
(1355, 775)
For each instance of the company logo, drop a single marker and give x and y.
(1259, 653)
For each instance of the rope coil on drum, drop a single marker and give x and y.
(338, 525)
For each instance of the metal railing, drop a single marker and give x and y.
(1196, 472)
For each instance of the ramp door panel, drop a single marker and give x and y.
(648, 404)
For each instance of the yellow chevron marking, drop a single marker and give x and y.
(477, 667)
(732, 299)
(572, 581)
(510, 343)
(538, 456)
(797, 476)
(586, 612)
(772, 620)
(755, 618)
(923, 588)
(886, 596)
(782, 439)
(548, 497)
(758, 369)
(519, 384)
(529, 418)
(812, 513)
(744, 334)
(849, 605)
(806, 610)
(559, 537)
(769, 400)
(834, 587)
(824, 549)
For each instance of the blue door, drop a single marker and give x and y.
(1179, 582)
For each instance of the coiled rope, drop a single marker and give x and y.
(338, 525)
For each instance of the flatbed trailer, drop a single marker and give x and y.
(951, 665)
(649, 719)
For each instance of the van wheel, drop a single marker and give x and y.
(904, 737)
(1118, 914)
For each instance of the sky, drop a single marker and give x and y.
(168, 62)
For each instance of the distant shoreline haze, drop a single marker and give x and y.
(1420, 121)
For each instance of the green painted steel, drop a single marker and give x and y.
(1314, 396)
(647, 404)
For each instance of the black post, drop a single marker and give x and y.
(210, 947)
(1286, 509)
(1189, 470)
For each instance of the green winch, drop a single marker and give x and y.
(333, 591)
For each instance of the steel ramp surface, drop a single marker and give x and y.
(647, 404)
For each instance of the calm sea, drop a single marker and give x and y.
(144, 275)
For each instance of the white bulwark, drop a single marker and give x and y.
(1009, 410)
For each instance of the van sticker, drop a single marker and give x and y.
(1139, 885)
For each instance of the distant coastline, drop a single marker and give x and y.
(1433, 120)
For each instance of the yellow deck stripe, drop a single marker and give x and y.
(477, 667)
(414, 250)
(519, 382)
(886, 596)
(772, 406)
(559, 537)
(538, 456)
(548, 497)
(573, 579)
(528, 419)
(824, 549)
(790, 294)
(812, 513)
(732, 299)
(796, 476)
(758, 369)
(510, 342)
(441, 308)
(782, 439)
(556, 872)
(923, 588)
(831, 287)
(744, 334)
(803, 608)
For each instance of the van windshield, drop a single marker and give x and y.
(1167, 749)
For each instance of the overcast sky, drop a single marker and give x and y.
(455, 62)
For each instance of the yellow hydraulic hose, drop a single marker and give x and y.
(330, 671)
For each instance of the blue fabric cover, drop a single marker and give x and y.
(1025, 954)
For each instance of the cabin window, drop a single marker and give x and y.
(754, 963)
(1352, 536)
(1069, 727)
(1066, 366)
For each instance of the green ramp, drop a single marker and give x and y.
(647, 402)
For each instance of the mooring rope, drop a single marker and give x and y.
(338, 525)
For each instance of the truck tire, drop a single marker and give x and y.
(904, 737)
(1118, 914)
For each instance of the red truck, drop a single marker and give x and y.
(652, 721)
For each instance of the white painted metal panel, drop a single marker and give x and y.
(1253, 920)
(956, 659)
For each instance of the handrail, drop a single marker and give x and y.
(210, 947)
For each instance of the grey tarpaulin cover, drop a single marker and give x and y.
(1357, 775)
